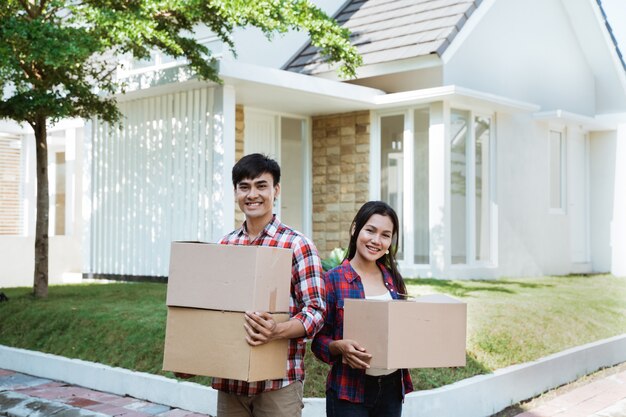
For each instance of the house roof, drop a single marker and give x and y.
(612, 35)
(392, 30)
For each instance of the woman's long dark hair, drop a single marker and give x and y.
(389, 259)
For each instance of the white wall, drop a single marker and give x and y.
(533, 240)
(65, 252)
(525, 50)
(602, 167)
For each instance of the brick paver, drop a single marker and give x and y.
(602, 398)
(38, 393)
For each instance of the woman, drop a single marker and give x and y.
(368, 271)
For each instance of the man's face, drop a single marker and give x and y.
(256, 196)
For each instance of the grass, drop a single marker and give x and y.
(509, 322)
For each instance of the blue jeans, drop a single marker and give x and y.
(383, 398)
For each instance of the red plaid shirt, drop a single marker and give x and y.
(343, 282)
(306, 302)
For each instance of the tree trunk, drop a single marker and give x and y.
(40, 286)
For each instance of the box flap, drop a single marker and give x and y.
(273, 278)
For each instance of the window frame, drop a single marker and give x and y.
(562, 209)
(470, 190)
(407, 223)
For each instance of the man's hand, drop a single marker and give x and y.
(352, 353)
(260, 328)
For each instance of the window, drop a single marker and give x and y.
(470, 187)
(61, 182)
(405, 188)
(391, 168)
(10, 185)
(557, 171)
(57, 194)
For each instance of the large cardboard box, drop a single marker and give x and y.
(427, 332)
(229, 277)
(212, 343)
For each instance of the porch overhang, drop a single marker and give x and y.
(455, 95)
(587, 123)
(283, 91)
(287, 92)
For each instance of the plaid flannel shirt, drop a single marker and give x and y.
(306, 302)
(343, 282)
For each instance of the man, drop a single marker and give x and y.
(256, 179)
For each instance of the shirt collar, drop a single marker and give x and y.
(270, 229)
(351, 274)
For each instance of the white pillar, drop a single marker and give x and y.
(223, 160)
(439, 236)
(618, 225)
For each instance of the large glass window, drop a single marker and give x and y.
(392, 166)
(292, 140)
(470, 185)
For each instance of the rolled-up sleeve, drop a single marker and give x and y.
(308, 286)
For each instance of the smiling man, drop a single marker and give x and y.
(256, 179)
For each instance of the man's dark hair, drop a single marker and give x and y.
(253, 165)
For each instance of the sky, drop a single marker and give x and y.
(616, 14)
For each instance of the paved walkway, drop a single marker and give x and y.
(23, 395)
(604, 397)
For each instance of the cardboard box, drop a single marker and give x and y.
(229, 277)
(427, 332)
(212, 343)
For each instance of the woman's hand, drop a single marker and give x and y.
(352, 353)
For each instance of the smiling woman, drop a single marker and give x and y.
(369, 271)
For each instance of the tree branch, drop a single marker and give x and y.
(26, 5)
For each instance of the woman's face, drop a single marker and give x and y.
(374, 238)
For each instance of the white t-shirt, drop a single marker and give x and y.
(377, 371)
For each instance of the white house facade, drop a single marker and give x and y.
(496, 129)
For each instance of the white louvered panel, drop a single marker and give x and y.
(10, 186)
(152, 182)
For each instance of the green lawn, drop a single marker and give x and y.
(510, 321)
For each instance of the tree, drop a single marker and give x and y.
(58, 60)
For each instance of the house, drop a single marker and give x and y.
(495, 128)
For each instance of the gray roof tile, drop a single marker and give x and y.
(389, 30)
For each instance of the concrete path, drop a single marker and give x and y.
(28, 396)
(605, 397)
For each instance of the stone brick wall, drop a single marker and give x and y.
(341, 168)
